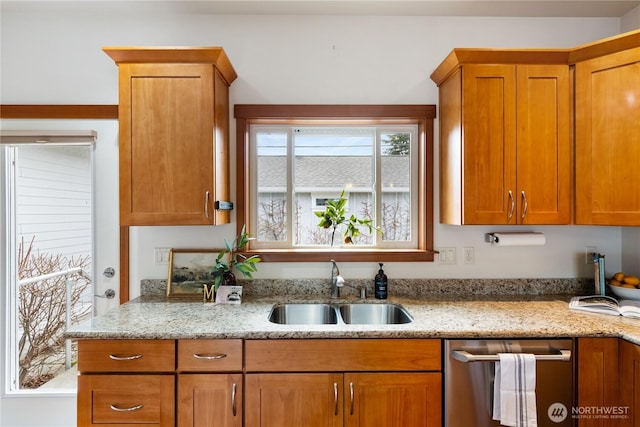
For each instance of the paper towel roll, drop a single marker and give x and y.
(519, 239)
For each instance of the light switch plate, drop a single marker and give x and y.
(161, 256)
(447, 256)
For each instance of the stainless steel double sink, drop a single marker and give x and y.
(345, 313)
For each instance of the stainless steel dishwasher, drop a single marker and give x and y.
(470, 372)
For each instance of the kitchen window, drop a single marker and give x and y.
(293, 159)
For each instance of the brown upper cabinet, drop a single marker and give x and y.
(607, 96)
(174, 134)
(505, 137)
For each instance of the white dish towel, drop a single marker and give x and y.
(514, 393)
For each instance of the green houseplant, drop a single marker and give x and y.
(334, 216)
(231, 257)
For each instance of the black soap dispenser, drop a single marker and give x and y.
(381, 284)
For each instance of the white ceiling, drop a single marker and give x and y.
(522, 8)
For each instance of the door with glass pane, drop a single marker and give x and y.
(49, 216)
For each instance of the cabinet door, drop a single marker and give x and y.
(543, 145)
(489, 147)
(393, 400)
(598, 378)
(309, 400)
(209, 400)
(608, 139)
(166, 144)
(630, 383)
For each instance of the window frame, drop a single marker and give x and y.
(422, 115)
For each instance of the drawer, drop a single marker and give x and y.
(126, 400)
(210, 355)
(126, 355)
(338, 355)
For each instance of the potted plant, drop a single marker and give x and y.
(232, 258)
(334, 215)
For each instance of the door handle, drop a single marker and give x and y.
(465, 356)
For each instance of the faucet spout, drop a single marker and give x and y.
(337, 281)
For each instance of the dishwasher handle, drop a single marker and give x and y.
(465, 356)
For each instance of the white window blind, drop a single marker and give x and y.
(15, 137)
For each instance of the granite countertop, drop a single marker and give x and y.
(476, 316)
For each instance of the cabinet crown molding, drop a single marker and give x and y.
(174, 55)
(461, 56)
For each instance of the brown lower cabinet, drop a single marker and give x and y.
(160, 383)
(608, 383)
(209, 400)
(259, 383)
(371, 383)
(383, 399)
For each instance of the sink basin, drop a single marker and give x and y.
(374, 314)
(303, 314)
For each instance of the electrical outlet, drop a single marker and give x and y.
(469, 255)
(447, 256)
(588, 254)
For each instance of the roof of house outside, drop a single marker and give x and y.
(333, 172)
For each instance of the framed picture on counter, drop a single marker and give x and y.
(189, 271)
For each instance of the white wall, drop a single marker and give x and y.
(302, 59)
(631, 20)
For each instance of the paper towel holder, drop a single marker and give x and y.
(494, 237)
(490, 238)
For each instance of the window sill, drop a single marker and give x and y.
(344, 255)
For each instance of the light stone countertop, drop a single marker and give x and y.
(514, 316)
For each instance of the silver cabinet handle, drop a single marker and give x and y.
(122, 358)
(335, 398)
(132, 408)
(512, 207)
(525, 205)
(465, 356)
(206, 204)
(215, 356)
(233, 399)
(351, 398)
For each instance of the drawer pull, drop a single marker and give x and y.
(121, 358)
(213, 356)
(133, 408)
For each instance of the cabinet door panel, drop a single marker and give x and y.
(166, 145)
(309, 400)
(608, 139)
(544, 145)
(630, 383)
(598, 378)
(393, 400)
(489, 171)
(209, 399)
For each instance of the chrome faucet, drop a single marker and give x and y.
(336, 280)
